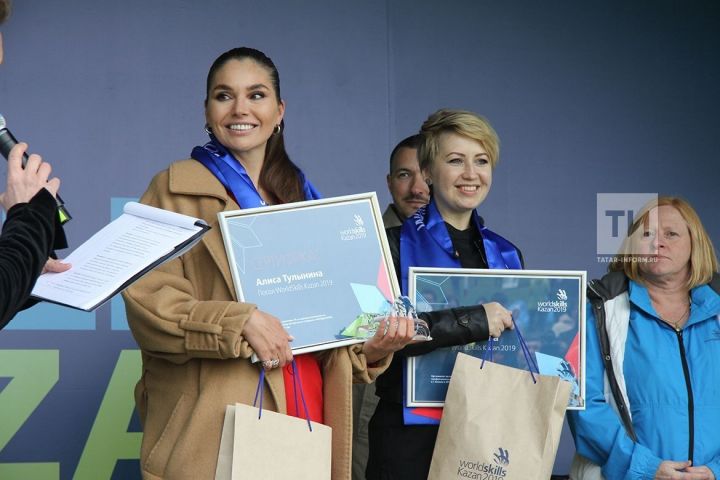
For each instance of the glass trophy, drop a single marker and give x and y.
(367, 324)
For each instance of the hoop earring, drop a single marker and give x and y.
(207, 129)
(277, 129)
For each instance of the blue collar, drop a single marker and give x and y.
(704, 302)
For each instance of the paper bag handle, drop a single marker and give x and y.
(297, 385)
(488, 355)
(259, 391)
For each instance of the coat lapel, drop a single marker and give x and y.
(215, 245)
(192, 178)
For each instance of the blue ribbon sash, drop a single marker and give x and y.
(425, 242)
(230, 172)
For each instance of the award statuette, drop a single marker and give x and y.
(366, 325)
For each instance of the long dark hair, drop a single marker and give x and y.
(279, 176)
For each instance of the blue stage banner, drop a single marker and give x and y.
(322, 266)
(547, 306)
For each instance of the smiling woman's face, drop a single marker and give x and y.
(461, 176)
(242, 108)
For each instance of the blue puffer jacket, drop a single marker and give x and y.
(669, 382)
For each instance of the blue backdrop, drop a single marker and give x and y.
(588, 98)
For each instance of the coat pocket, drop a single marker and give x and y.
(157, 459)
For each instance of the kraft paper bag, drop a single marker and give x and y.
(273, 446)
(498, 424)
(223, 471)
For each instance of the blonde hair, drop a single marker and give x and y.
(461, 122)
(703, 261)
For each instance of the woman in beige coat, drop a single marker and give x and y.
(196, 338)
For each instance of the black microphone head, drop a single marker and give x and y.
(3, 125)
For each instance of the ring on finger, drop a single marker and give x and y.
(270, 364)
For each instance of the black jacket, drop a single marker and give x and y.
(27, 240)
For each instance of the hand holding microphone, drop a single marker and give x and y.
(24, 183)
(26, 175)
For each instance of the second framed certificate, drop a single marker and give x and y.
(319, 266)
(547, 306)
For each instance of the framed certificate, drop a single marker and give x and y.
(548, 308)
(319, 266)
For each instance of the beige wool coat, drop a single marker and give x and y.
(185, 317)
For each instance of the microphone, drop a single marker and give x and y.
(7, 142)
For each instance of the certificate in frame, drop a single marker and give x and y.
(548, 307)
(319, 266)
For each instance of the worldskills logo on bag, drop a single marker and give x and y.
(616, 213)
(555, 306)
(486, 470)
(355, 232)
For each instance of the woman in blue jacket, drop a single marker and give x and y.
(653, 355)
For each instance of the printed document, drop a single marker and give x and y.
(142, 238)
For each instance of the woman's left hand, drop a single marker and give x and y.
(669, 470)
(392, 334)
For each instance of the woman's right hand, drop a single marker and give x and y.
(268, 339)
(392, 334)
(23, 183)
(498, 317)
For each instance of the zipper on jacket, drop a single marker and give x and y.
(691, 405)
(591, 286)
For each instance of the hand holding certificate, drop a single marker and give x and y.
(142, 238)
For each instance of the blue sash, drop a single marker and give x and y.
(425, 242)
(234, 177)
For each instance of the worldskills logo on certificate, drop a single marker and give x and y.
(554, 306)
(616, 213)
(356, 232)
(496, 469)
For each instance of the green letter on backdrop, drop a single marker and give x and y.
(109, 439)
(33, 373)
